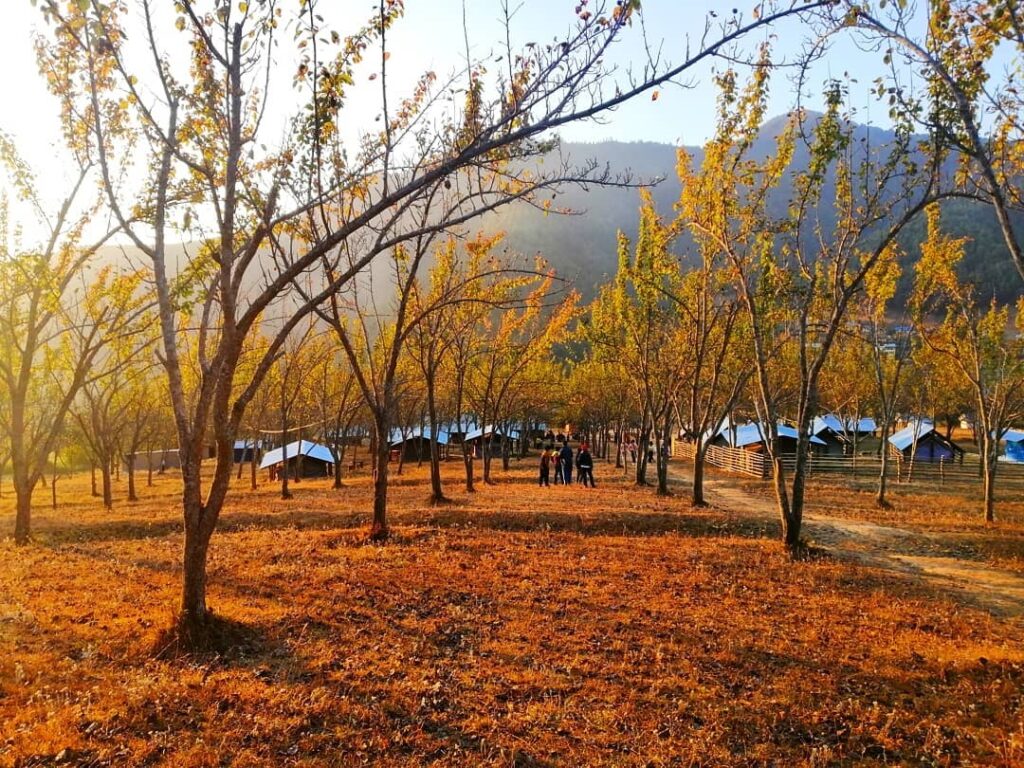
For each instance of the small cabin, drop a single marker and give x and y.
(493, 437)
(751, 437)
(304, 459)
(922, 442)
(416, 445)
(1013, 446)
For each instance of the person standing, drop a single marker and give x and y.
(565, 456)
(556, 462)
(545, 466)
(585, 465)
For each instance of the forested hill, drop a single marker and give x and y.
(582, 246)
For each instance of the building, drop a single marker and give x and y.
(920, 440)
(316, 460)
(751, 437)
(416, 444)
(839, 434)
(494, 437)
(1013, 446)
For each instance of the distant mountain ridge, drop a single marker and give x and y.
(582, 247)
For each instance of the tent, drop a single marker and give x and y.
(497, 436)
(1013, 452)
(243, 450)
(751, 437)
(317, 460)
(931, 446)
(417, 443)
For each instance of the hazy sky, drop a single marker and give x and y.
(430, 38)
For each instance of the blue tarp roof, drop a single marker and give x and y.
(841, 427)
(512, 434)
(306, 448)
(1014, 436)
(905, 437)
(749, 434)
(398, 439)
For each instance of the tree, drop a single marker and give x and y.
(515, 338)
(979, 341)
(459, 291)
(637, 321)
(796, 280)
(970, 105)
(888, 369)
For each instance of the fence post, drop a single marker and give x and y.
(942, 471)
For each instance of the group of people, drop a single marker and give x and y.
(561, 460)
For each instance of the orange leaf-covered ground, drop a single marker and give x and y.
(518, 626)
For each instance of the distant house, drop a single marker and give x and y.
(751, 437)
(1013, 448)
(492, 436)
(244, 450)
(931, 446)
(839, 434)
(416, 444)
(316, 461)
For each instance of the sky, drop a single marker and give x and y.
(430, 37)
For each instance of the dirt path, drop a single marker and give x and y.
(918, 554)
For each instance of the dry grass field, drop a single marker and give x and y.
(518, 626)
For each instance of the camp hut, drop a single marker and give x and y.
(458, 430)
(244, 450)
(1013, 447)
(316, 460)
(751, 437)
(919, 440)
(494, 437)
(832, 432)
(415, 445)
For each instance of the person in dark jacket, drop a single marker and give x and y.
(566, 461)
(545, 465)
(585, 465)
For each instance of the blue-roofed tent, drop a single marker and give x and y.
(416, 444)
(243, 450)
(498, 437)
(317, 460)
(931, 445)
(751, 437)
(1013, 450)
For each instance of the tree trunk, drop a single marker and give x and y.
(485, 443)
(92, 471)
(379, 529)
(252, 467)
(697, 493)
(149, 468)
(23, 511)
(883, 480)
(108, 486)
(194, 611)
(467, 460)
(436, 491)
(790, 522)
(990, 448)
(131, 478)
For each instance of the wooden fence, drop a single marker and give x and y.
(898, 469)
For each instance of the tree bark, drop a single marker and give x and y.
(132, 496)
(379, 528)
(23, 512)
(108, 486)
(697, 492)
